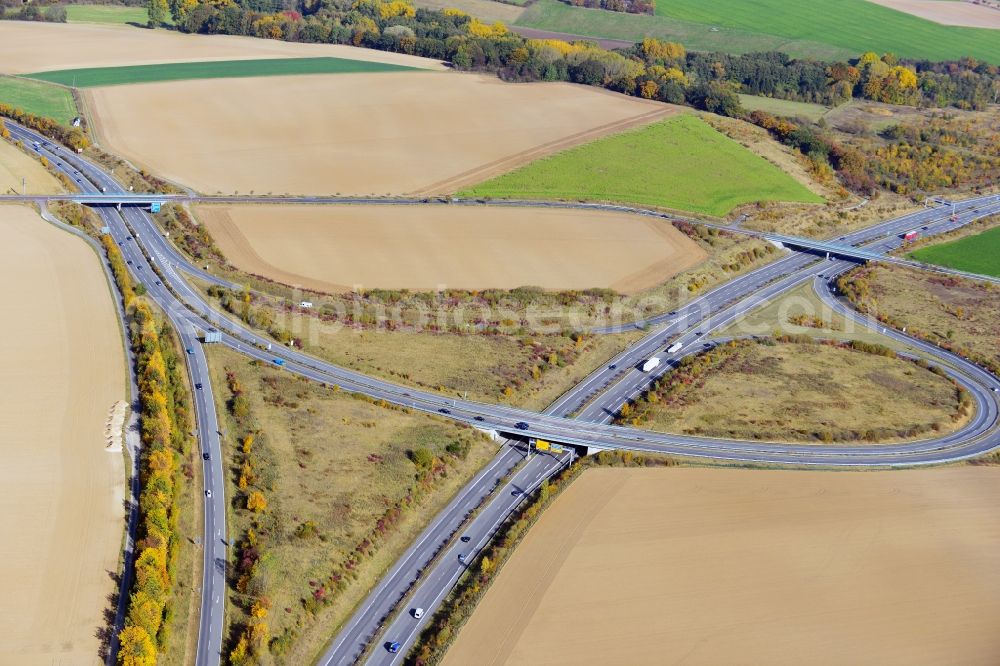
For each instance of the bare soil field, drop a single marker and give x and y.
(15, 165)
(723, 566)
(409, 132)
(336, 248)
(947, 12)
(76, 45)
(61, 508)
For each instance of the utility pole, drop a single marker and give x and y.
(24, 187)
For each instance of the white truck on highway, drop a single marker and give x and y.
(650, 364)
(674, 347)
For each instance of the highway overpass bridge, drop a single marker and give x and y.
(153, 201)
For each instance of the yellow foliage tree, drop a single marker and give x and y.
(649, 89)
(256, 501)
(145, 612)
(479, 29)
(136, 647)
(654, 49)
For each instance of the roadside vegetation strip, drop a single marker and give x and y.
(328, 489)
(681, 163)
(37, 98)
(116, 14)
(458, 606)
(975, 254)
(90, 77)
(165, 420)
(958, 314)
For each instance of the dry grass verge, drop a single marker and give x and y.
(802, 392)
(346, 482)
(956, 313)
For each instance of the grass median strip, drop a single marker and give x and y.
(91, 77)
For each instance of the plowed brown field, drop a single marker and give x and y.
(334, 248)
(716, 566)
(61, 513)
(947, 12)
(35, 47)
(408, 132)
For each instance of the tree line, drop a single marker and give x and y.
(651, 68)
(164, 420)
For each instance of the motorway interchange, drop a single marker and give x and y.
(431, 566)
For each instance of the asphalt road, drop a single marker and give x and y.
(190, 312)
(91, 178)
(405, 627)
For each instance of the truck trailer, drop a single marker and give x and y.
(650, 364)
(674, 348)
(911, 235)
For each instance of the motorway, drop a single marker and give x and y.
(404, 628)
(190, 313)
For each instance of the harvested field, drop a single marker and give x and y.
(424, 248)
(393, 133)
(15, 165)
(61, 510)
(721, 566)
(947, 12)
(74, 45)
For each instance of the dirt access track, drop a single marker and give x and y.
(359, 134)
(947, 12)
(36, 47)
(61, 512)
(728, 566)
(335, 248)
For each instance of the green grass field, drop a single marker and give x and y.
(226, 69)
(840, 29)
(975, 254)
(41, 99)
(781, 107)
(679, 163)
(107, 14)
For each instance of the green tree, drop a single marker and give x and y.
(157, 12)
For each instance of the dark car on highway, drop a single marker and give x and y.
(521, 425)
(478, 418)
(444, 411)
(393, 647)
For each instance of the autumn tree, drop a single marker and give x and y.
(157, 12)
(256, 501)
(136, 647)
